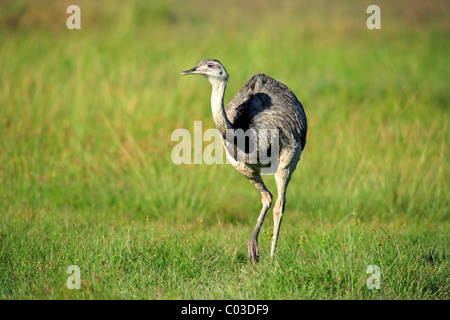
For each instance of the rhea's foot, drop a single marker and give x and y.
(253, 251)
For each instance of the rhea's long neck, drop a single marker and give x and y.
(217, 106)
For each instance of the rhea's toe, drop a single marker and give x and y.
(253, 251)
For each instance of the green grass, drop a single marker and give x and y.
(86, 176)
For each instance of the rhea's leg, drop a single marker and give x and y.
(266, 199)
(282, 179)
(288, 163)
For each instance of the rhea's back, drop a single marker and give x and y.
(265, 103)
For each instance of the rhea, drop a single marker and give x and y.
(263, 104)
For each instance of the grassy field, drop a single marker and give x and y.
(86, 176)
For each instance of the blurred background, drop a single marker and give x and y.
(86, 115)
(86, 118)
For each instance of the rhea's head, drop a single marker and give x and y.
(211, 69)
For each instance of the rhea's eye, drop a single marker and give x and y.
(209, 65)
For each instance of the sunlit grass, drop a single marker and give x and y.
(86, 175)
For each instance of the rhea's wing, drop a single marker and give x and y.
(265, 103)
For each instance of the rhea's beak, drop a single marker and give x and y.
(191, 71)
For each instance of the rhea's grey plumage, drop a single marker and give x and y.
(263, 104)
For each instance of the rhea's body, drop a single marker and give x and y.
(262, 105)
